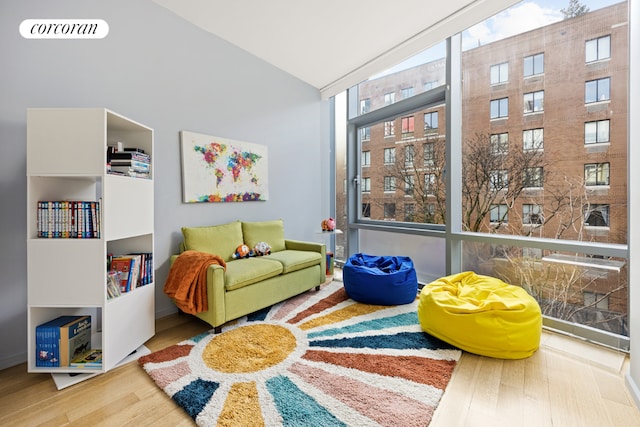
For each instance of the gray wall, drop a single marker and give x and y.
(161, 71)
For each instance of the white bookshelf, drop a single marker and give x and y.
(66, 160)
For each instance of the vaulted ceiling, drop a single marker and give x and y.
(333, 44)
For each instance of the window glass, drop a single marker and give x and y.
(533, 139)
(549, 152)
(534, 102)
(598, 49)
(597, 90)
(499, 73)
(366, 158)
(499, 108)
(533, 65)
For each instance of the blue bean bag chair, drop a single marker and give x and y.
(380, 280)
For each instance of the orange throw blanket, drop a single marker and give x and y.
(187, 281)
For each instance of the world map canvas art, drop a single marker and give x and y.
(218, 169)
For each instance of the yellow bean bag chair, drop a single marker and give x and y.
(481, 315)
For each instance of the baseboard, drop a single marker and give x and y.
(633, 389)
(167, 311)
(14, 360)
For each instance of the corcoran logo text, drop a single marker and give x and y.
(64, 29)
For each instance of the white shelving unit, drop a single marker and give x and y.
(66, 160)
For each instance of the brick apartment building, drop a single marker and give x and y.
(557, 94)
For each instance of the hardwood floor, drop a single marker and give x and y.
(566, 383)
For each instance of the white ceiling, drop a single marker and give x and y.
(333, 44)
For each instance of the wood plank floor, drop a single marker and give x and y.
(566, 383)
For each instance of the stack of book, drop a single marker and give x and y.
(130, 162)
(62, 339)
(132, 270)
(92, 359)
(69, 219)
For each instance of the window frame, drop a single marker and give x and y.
(502, 104)
(534, 60)
(597, 41)
(537, 98)
(597, 133)
(598, 84)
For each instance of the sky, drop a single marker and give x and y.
(524, 16)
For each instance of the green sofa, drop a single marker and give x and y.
(250, 284)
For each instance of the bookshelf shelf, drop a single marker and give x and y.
(67, 161)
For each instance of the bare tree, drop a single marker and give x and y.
(492, 177)
(574, 9)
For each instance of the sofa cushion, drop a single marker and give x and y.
(295, 260)
(243, 272)
(220, 240)
(271, 232)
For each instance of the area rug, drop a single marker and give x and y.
(319, 359)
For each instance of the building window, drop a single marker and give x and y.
(389, 183)
(389, 98)
(389, 210)
(407, 126)
(597, 90)
(499, 143)
(366, 158)
(409, 185)
(366, 210)
(594, 299)
(534, 102)
(430, 184)
(533, 177)
(430, 85)
(428, 154)
(499, 213)
(365, 105)
(534, 65)
(365, 133)
(499, 73)
(596, 174)
(431, 121)
(389, 128)
(596, 132)
(598, 49)
(531, 214)
(409, 212)
(498, 179)
(499, 108)
(533, 139)
(366, 185)
(407, 93)
(389, 156)
(408, 156)
(596, 215)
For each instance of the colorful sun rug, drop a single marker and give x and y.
(319, 359)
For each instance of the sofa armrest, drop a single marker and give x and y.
(299, 245)
(215, 316)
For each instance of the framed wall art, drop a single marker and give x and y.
(218, 169)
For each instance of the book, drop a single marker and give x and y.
(60, 339)
(124, 266)
(90, 359)
(68, 219)
(75, 339)
(113, 285)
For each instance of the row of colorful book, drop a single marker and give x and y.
(130, 162)
(65, 342)
(127, 272)
(68, 219)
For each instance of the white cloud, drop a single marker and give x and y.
(518, 19)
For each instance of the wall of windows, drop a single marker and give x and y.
(539, 152)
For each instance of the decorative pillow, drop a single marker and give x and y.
(221, 240)
(264, 231)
